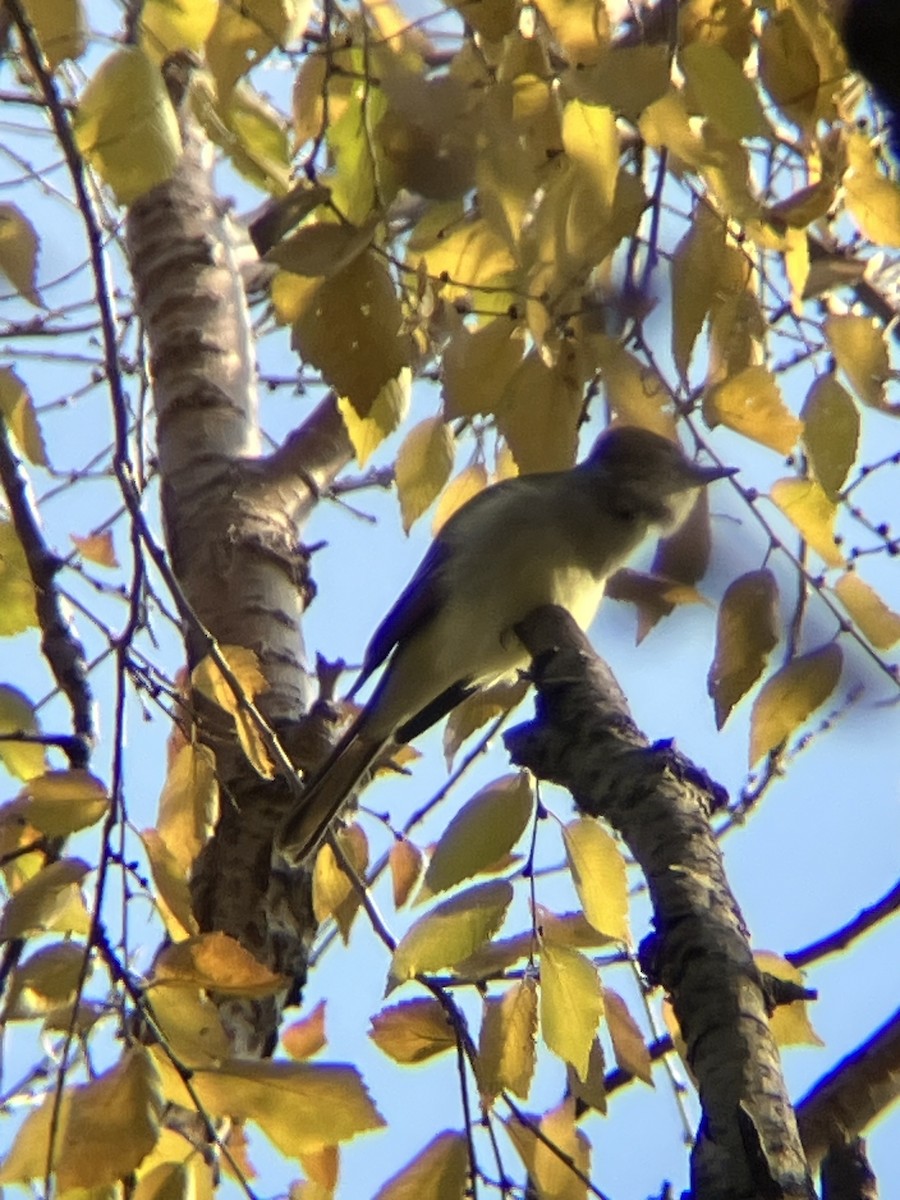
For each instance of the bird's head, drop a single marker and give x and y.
(650, 476)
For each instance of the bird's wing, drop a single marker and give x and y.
(416, 604)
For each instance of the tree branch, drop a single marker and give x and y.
(585, 739)
(60, 643)
(850, 1097)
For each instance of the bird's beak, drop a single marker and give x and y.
(706, 475)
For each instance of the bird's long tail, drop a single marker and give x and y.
(324, 796)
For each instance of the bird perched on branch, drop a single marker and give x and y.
(537, 539)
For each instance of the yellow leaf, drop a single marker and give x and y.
(751, 404)
(113, 1122)
(719, 90)
(579, 27)
(322, 1168)
(477, 710)
(49, 902)
(251, 131)
(538, 415)
(96, 548)
(217, 962)
(362, 181)
(103, 1128)
(413, 1032)
(591, 142)
(467, 253)
(506, 1047)
(790, 72)
(476, 366)
(484, 830)
(598, 872)
(190, 1025)
(335, 894)
(592, 1089)
(321, 248)
(550, 1172)
(173, 893)
(59, 803)
(302, 1039)
(872, 199)
(880, 624)
(244, 34)
(628, 1042)
(452, 931)
(165, 1181)
(805, 504)
(859, 349)
(188, 803)
(47, 982)
(634, 391)
(307, 99)
(746, 631)
(17, 611)
(568, 929)
(797, 265)
(830, 433)
(627, 78)
(683, 556)
(18, 258)
(350, 327)
(790, 696)
(17, 715)
(468, 483)
(665, 124)
(725, 23)
(299, 1106)
(405, 860)
(60, 27)
(790, 1023)
(571, 1004)
(208, 679)
(126, 126)
(654, 598)
(387, 412)
(170, 25)
(174, 1156)
(694, 273)
(439, 1172)
(423, 466)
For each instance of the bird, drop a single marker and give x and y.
(549, 538)
(871, 33)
